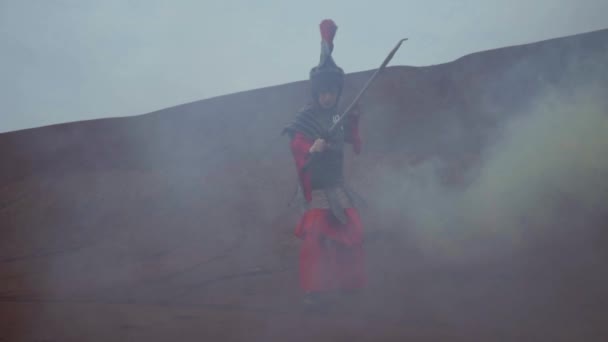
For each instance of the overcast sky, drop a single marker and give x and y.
(73, 60)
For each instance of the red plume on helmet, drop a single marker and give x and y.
(328, 32)
(327, 73)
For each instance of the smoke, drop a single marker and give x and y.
(544, 172)
(552, 154)
(189, 206)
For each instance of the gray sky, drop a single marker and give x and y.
(82, 59)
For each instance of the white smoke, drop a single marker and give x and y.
(548, 165)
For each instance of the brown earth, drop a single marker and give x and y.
(175, 224)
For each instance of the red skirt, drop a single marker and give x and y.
(332, 255)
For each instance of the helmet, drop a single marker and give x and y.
(327, 75)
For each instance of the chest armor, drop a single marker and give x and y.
(326, 171)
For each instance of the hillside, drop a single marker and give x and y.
(486, 184)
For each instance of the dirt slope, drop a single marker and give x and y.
(175, 224)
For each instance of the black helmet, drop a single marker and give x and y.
(327, 75)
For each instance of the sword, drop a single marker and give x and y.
(352, 105)
(365, 87)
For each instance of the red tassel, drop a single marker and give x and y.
(328, 31)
